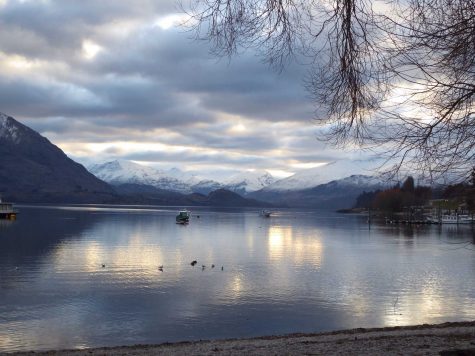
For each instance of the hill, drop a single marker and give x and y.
(32, 169)
(336, 194)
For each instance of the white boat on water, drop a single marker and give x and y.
(452, 219)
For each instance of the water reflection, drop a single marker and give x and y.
(298, 271)
(5, 224)
(297, 250)
(277, 237)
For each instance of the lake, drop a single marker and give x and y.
(297, 271)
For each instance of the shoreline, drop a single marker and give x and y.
(450, 338)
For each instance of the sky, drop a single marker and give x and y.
(110, 79)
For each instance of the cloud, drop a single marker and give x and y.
(244, 86)
(87, 73)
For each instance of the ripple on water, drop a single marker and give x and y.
(297, 271)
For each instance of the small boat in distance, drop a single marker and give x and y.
(451, 219)
(7, 211)
(265, 213)
(183, 217)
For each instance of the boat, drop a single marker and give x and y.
(7, 211)
(265, 213)
(183, 217)
(451, 219)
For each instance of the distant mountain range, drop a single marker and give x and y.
(119, 173)
(248, 182)
(32, 169)
(336, 194)
(313, 188)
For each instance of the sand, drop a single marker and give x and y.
(444, 339)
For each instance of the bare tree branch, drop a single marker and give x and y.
(360, 59)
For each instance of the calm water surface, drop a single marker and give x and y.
(298, 271)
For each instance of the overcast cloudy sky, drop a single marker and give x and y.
(114, 79)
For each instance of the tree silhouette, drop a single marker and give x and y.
(396, 75)
(408, 185)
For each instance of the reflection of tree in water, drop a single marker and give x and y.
(405, 230)
(458, 236)
(454, 236)
(5, 224)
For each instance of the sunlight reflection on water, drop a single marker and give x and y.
(73, 277)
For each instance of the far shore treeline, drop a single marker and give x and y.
(400, 197)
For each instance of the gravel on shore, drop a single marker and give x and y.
(456, 338)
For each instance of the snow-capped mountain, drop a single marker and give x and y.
(205, 186)
(360, 180)
(326, 180)
(186, 177)
(247, 182)
(313, 177)
(196, 183)
(117, 172)
(32, 169)
(327, 186)
(336, 194)
(126, 172)
(9, 130)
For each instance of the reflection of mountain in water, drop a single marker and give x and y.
(36, 233)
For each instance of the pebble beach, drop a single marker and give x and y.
(456, 338)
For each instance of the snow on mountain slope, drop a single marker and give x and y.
(335, 194)
(8, 129)
(197, 183)
(359, 180)
(122, 172)
(205, 186)
(125, 172)
(312, 177)
(33, 169)
(250, 181)
(187, 177)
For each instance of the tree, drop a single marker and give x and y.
(408, 185)
(399, 75)
(396, 199)
(389, 200)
